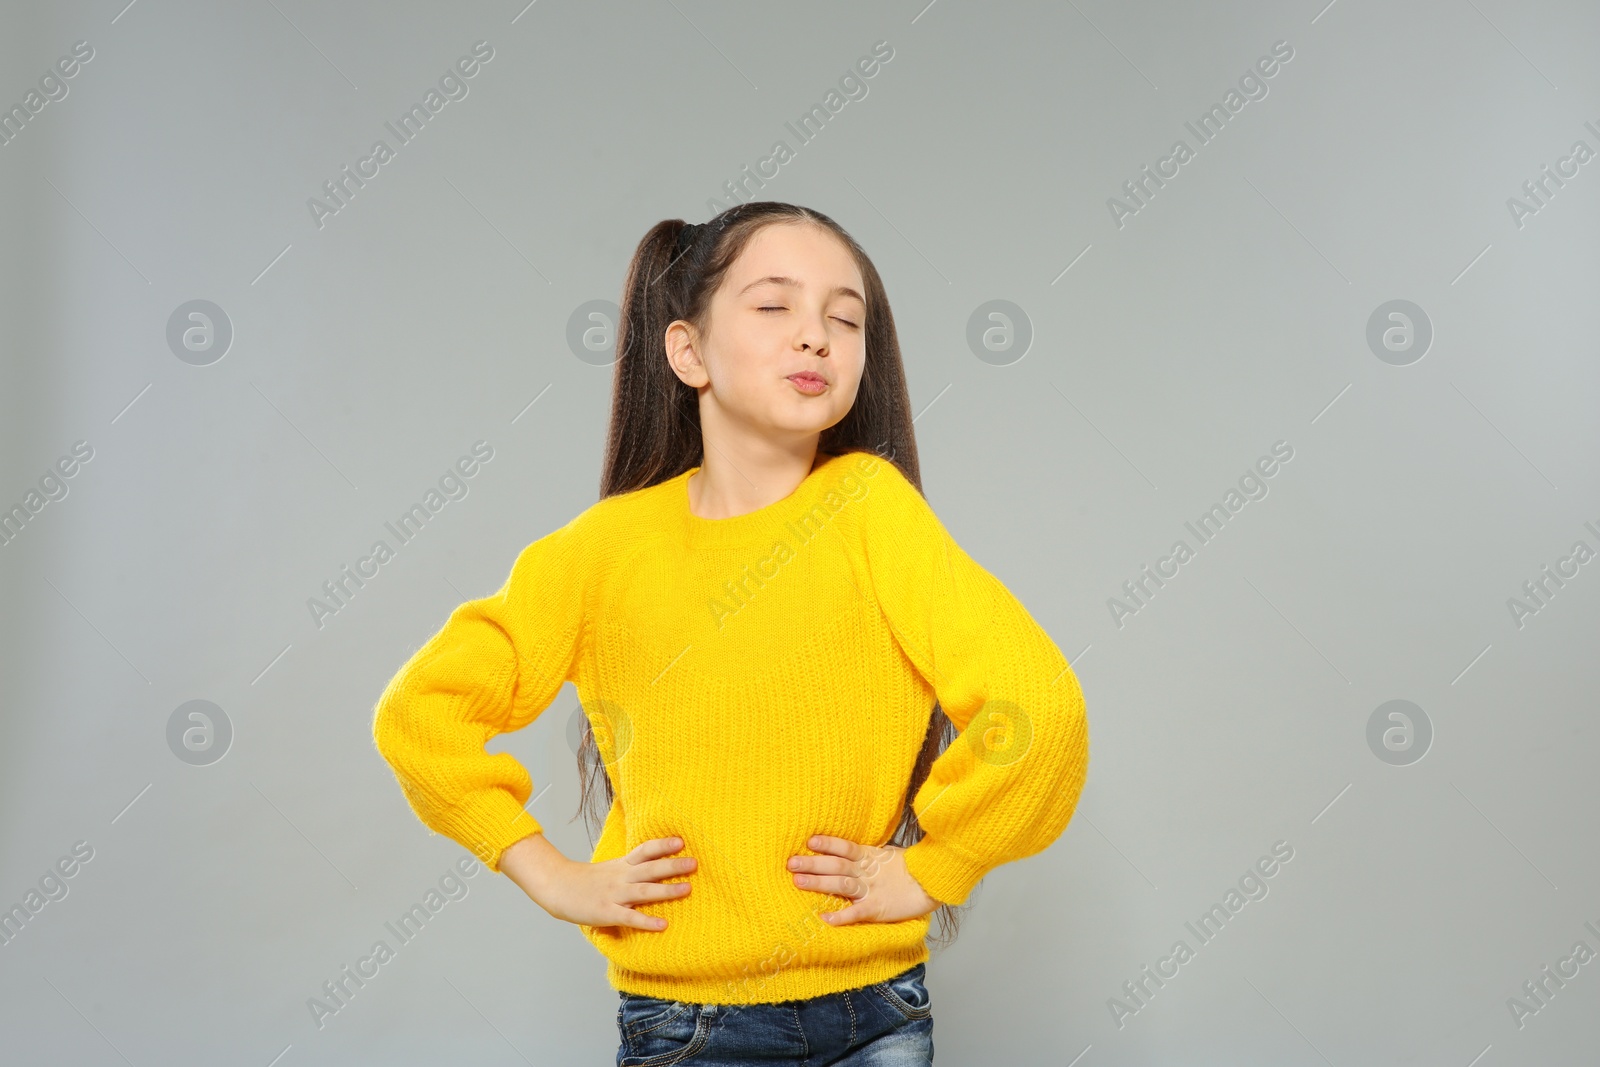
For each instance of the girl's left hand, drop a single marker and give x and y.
(875, 877)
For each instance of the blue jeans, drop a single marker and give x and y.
(889, 1024)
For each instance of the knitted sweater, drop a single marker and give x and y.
(752, 681)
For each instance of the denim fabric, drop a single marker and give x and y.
(889, 1024)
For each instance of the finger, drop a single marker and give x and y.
(822, 865)
(656, 870)
(839, 886)
(644, 892)
(655, 848)
(838, 846)
(638, 920)
(853, 914)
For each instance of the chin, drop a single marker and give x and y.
(807, 422)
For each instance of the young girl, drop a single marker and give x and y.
(772, 636)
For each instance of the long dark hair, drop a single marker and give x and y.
(655, 417)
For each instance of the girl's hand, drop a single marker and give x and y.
(874, 876)
(599, 894)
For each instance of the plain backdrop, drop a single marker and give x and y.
(1359, 267)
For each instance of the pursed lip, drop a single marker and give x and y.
(810, 375)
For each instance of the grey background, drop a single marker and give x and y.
(1229, 313)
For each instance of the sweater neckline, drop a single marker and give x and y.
(740, 527)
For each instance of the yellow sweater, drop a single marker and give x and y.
(753, 681)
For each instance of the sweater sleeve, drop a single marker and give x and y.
(1006, 787)
(493, 667)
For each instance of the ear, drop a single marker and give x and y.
(683, 354)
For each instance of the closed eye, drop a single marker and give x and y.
(836, 318)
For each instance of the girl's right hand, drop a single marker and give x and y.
(599, 894)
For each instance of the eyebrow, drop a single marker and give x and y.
(793, 283)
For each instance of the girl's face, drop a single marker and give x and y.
(791, 305)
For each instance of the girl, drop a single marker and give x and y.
(773, 639)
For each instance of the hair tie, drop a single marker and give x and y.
(687, 236)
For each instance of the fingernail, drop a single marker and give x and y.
(794, 864)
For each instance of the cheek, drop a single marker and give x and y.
(740, 365)
(856, 361)
(748, 385)
(751, 376)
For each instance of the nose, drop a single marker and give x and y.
(814, 336)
